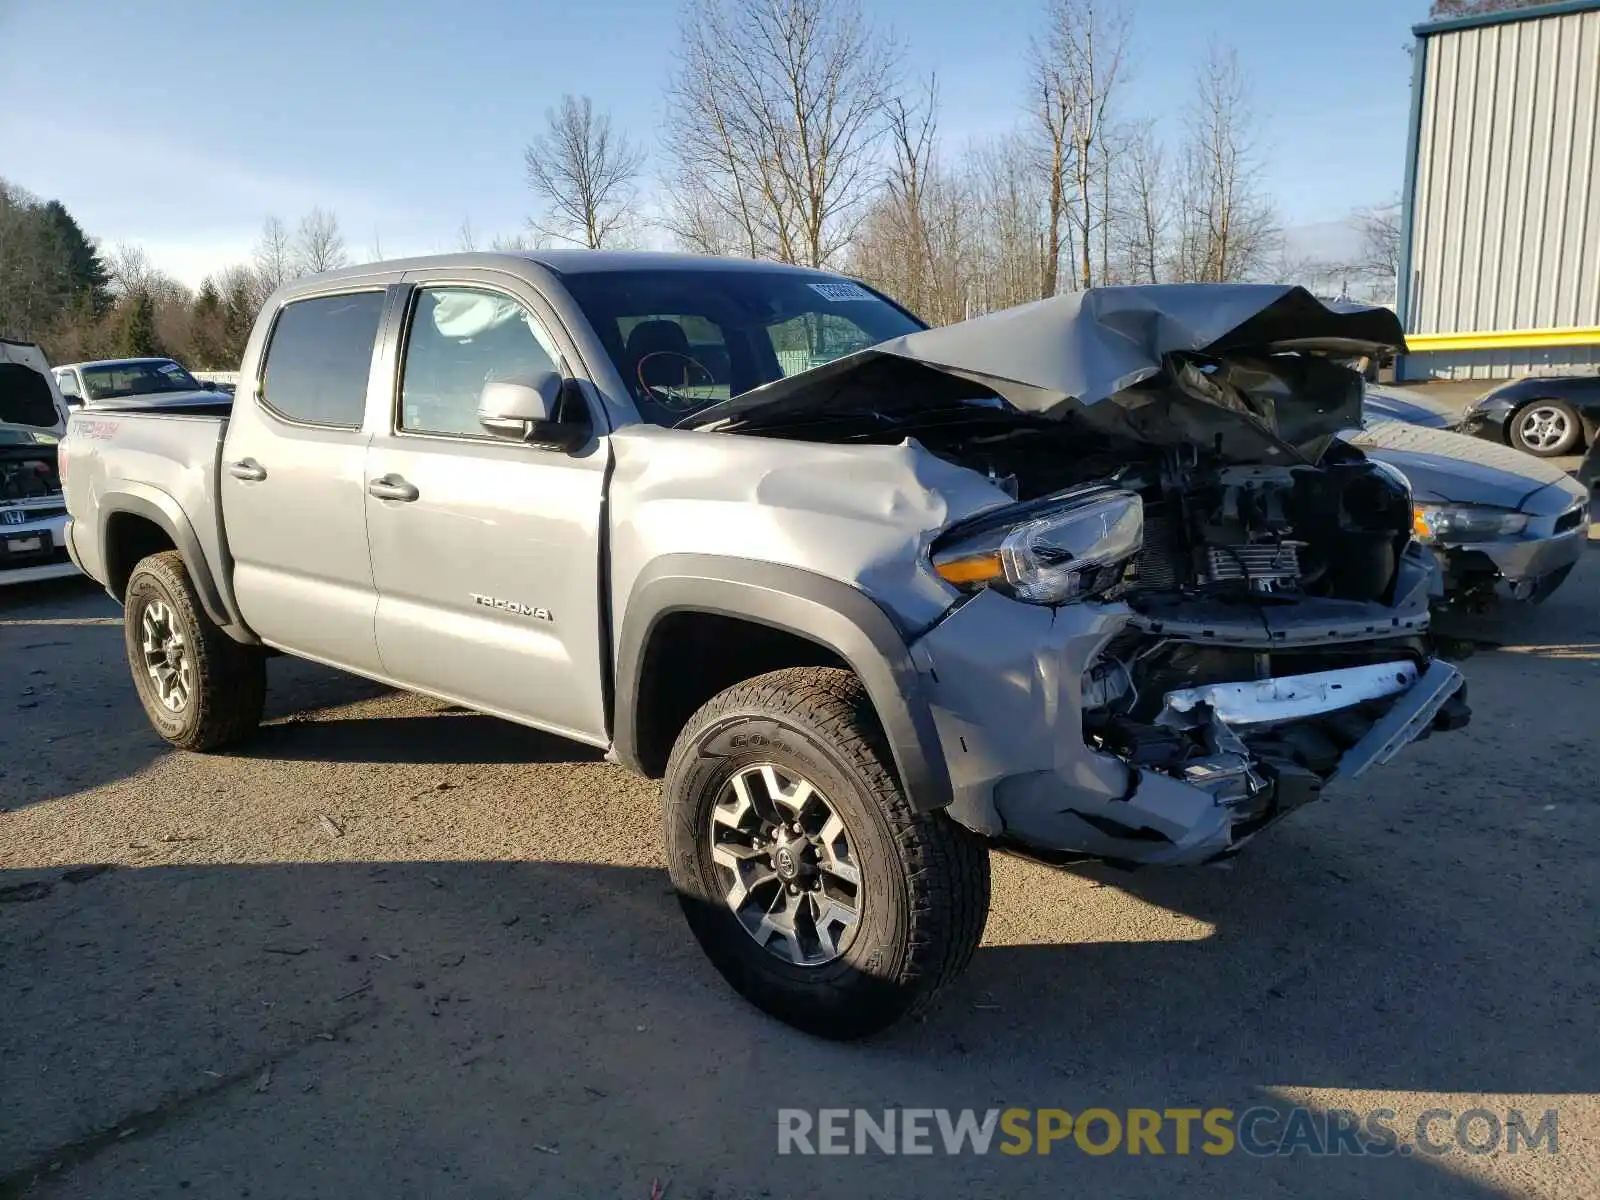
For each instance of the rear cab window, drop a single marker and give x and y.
(320, 358)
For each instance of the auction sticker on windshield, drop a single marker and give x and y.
(842, 292)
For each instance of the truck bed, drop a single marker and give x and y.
(144, 465)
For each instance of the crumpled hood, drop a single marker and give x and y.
(1072, 353)
(1456, 469)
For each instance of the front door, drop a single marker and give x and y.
(293, 488)
(486, 552)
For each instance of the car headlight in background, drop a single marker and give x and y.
(1466, 522)
(1048, 551)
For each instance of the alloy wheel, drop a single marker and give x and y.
(1543, 427)
(166, 656)
(786, 864)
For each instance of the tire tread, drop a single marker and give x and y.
(230, 679)
(946, 866)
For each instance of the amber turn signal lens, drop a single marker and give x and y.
(976, 569)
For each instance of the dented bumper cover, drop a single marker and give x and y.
(1005, 681)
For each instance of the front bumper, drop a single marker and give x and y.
(1005, 681)
(1521, 569)
(1490, 422)
(34, 548)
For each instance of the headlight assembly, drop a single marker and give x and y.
(1049, 551)
(1437, 523)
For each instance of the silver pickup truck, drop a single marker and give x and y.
(1088, 579)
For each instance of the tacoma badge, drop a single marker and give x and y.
(512, 606)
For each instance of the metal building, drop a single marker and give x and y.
(1500, 230)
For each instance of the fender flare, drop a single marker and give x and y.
(822, 610)
(161, 510)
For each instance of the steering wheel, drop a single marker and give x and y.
(690, 370)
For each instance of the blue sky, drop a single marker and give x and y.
(180, 124)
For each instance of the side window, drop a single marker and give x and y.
(68, 384)
(460, 339)
(320, 357)
(811, 339)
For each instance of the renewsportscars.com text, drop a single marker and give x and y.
(1260, 1132)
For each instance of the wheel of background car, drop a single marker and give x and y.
(695, 374)
(201, 689)
(1548, 428)
(803, 871)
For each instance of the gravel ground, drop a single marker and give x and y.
(399, 950)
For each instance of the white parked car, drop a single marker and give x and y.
(33, 512)
(135, 383)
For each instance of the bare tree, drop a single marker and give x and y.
(1144, 218)
(901, 221)
(776, 117)
(318, 243)
(919, 240)
(1078, 64)
(273, 257)
(130, 269)
(1054, 117)
(1380, 244)
(584, 173)
(466, 239)
(1010, 205)
(1227, 226)
(132, 273)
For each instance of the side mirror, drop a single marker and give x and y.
(526, 409)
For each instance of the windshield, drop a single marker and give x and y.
(683, 339)
(113, 381)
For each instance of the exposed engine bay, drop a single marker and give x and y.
(1213, 528)
(1231, 609)
(28, 472)
(1239, 554)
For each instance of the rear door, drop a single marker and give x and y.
(293, 481)
(486, 552)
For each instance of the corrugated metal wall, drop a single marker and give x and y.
(1506, 213)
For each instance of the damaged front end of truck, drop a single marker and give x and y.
(1191, 607)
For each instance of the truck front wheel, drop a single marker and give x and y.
(806, 876)
(200, 688)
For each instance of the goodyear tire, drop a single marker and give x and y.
(803, 871)
(200, 688)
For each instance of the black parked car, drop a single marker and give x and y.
(1397, 404)
(1547, 417)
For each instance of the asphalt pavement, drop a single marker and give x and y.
(396, 949)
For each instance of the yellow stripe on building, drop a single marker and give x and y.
(1515, 339)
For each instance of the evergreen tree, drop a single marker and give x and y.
(135, 327)
(207, 349)
(85, 272)
(240, 302)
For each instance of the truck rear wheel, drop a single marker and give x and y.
(201, 689)
(806, 876)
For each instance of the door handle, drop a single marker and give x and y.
(392, 487)
(247, 469)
